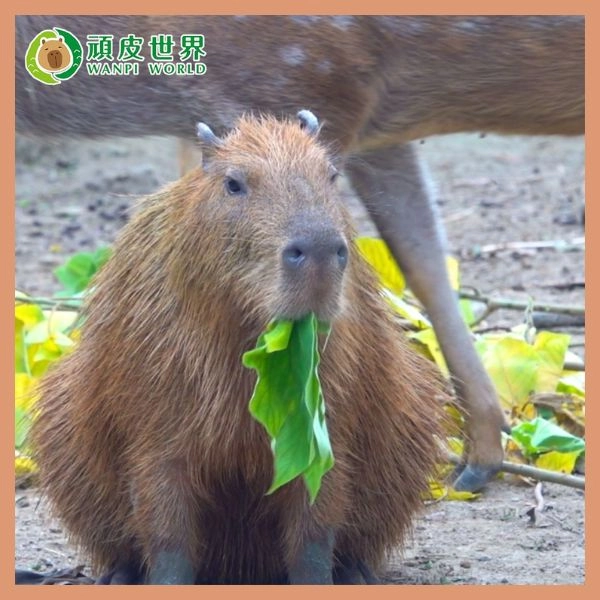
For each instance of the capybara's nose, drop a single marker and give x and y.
(321, 249)
(55, 59)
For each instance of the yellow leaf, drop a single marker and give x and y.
(429, 340)
(376, 252)
(439, 491)
(454, 424)
(436, 491)
(25, 394)
(454, 495)
(29, 314)
(456, 445)
(60, 320)
(406, 310)
(453, 272)
(563, 462)
(527, 412)
(572, 382)
(513, 453)
(38, 333)
(40, 367)
(551, 349)
(62, 341)
(512, 364)
(24, 465)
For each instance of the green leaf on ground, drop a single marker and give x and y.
(539, 435)
(77, 272)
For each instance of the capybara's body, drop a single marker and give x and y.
(144, 439)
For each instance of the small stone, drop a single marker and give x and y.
(491, 203)
(69, 230)
(566, 218)
(68, 211)
(23, 502)
(93, 186)
(65, 163)
(465, 564)
(50, 260)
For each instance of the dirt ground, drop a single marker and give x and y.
(73, 195)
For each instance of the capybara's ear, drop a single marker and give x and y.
(208, 140)
(206, 136)
(308, 121)
(42, 41)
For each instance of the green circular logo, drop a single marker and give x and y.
(53, 56)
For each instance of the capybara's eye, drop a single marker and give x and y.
(234, 186)
(333, 173)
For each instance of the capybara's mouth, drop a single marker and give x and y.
(326, 306)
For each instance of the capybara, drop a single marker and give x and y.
(379, 83)
(145, 444)
(53, 55)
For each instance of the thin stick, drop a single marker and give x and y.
(66, 304)
(573, 244)
(571, 365)
(546, 320)
(495, 303)
(574, 481)
(535, 512)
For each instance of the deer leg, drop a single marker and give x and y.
(392, 186)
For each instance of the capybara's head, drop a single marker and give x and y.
(271, 208)
(53, 55)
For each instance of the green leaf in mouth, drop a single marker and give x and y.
(288, 401)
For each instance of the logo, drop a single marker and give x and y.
(53, 56)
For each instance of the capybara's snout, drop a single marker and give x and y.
(322, 250)
(313, 260)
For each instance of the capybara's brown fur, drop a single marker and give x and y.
(144, 438)
(379, 83)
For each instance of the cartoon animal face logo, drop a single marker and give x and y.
(53, 55)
